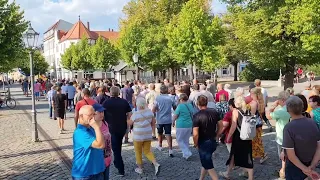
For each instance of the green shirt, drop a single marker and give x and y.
(184, 112)
(282, 117)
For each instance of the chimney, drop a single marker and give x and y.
(88, 26)
(112, 30)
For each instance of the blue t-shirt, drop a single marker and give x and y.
(71, 90)
(185, 113)
(164, 104)
(87, 160)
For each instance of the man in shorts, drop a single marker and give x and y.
(162, 108)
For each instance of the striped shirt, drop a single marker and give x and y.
(142, 130)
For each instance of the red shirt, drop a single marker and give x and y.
(227, 118)
(85, 101)
(222, 92)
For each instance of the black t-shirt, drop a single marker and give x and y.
(59, 101)
(116, 114)
(207, 121)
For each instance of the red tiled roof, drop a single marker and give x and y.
(61, 34)
(77, 32)
(53, 26)
(111, 35)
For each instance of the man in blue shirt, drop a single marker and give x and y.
(71, 92)
(88, 145)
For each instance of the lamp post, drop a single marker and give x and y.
(136, 60)
(31, 38)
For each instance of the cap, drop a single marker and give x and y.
(98, 107)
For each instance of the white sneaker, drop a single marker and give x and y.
(156, 169)
(138, 170)
(159, 148)
(170, 153)
(187, 157)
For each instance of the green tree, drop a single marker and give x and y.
(104, 54)
(12, 25)
(68, 56)
(40, 66)
(278, 33)
(81, 56)
(195, 37)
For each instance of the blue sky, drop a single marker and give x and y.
(102, 14)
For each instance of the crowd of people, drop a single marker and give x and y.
(106, 112)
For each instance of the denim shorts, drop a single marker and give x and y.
(164, 127)
(37, 94)
(293, 172)
(206, 149)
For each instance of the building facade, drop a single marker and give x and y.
(60, 36)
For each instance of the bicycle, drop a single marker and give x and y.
(8, 100)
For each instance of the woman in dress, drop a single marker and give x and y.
(182, 119)
(241, 150)
(142, 121)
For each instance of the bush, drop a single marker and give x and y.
(315, 68)
(252, 72)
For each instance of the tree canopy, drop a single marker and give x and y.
(12, 26)
(40, 66)
(278, 33)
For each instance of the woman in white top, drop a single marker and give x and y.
(143, 120)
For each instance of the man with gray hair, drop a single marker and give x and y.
(278, 112)
(203, 91)
(162, 108)
(301, 143)
(117, 112)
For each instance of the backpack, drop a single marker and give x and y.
(248, 127)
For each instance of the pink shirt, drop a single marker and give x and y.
(220, 93)
(107, 137)
(37, 87)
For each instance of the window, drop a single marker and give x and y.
(225, 71)
(88, 75)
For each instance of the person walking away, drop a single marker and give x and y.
(162, 107)
(221, 91)
(257, 107)
(264, 92)
(241, 150)
(37, 90)
(227, 121)
(25, 86)
(222, 106)
(127, 93)
(205, 92)
(301, 143)
(314, 102)
(150, 98)
(282, 117)
(43, 88)
(50, 96)
(107, 152)
(142, 121)
(101, 95)
(64, 88)
(78, 96)
(59, 105)
(71, 91)
(182, 120)
(117, 112)
(88, 147)
(92, 88)
(206, 129)
(86, 100)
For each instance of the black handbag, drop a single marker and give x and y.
(222, 138)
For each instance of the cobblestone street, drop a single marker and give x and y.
(20, 158)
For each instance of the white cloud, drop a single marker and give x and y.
(102, 14)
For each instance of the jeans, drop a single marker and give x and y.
(293, 172)
(116, 141)
(266, 120)
(50, 110)
(71, 104)
(92, 177)
(106, 173)
(183, 136)
(206, 149)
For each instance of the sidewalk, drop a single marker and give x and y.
(20, 158)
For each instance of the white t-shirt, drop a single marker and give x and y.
(265, 94)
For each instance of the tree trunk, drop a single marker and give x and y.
(235, 71)
(194, 70)
(289, 73)
(171, 75)
(163, 74)
(191, 72)
(155, 73)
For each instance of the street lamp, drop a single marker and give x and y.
(31, 38)
(136, 60)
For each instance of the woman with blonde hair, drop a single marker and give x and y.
(257, 107)
(241, 150)
(143, 120)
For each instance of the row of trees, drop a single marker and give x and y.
(85, 56)
(269, 34)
